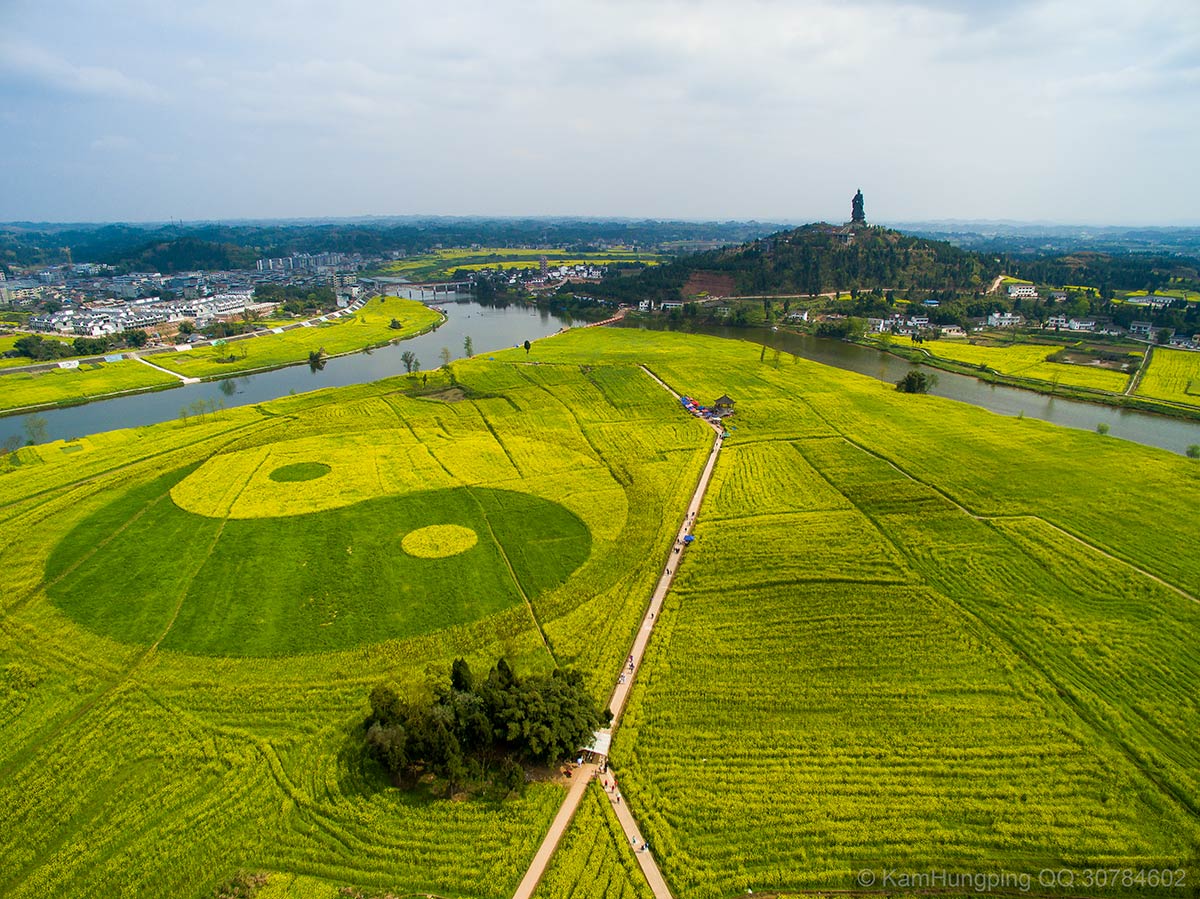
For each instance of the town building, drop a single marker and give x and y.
(1004, 320)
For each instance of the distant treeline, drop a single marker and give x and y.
(171, 248)
(1105, 272)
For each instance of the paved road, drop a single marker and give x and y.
(173, 374)
(617, 702)
(645, 859)
(566, 812)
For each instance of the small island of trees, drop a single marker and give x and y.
(473, 735)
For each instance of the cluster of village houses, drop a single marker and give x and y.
(97, 306)
(97, 302)
(910, 325)
(548, 276)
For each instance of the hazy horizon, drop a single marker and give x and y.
(1044, 112)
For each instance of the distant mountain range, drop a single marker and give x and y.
(171, 247)
(1043, 237)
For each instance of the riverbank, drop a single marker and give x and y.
(987, 375)
(490, 329)
(1174, 433)
(52, 387)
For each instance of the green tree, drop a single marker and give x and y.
(511, 777)
(409, 358)
(389, 744)
(915, 381)
(1193, 451)
(90, 346)
(468, 347)
(39, 350)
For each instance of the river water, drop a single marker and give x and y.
(1171, 434)
(489, 329)
(493, 329)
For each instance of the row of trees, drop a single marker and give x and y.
(37, 349)
(213, 246)
(297, 300)
(471, 732)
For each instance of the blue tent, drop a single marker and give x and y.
(690, 538)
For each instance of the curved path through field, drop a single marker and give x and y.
(173, 374)
(616, 705)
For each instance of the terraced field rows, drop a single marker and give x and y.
(595, 861)
(1029, 361)
(855, 672)
(1172, 375)
(136, 772)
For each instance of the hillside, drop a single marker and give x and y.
(182, 254)
(813, 259)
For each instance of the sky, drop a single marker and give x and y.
(1070, 111)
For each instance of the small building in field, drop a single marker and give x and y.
(1142, 328)
(723, 405)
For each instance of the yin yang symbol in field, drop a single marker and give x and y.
(257, 555)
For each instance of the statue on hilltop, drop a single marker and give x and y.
(857, 216)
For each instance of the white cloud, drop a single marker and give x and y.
(754, 108)
(27, 60)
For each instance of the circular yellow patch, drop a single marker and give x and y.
(438, 541)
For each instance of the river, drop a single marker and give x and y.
(494, 329)
(489, 328)
(1172, 434)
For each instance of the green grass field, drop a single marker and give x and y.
(369, 327)
(442, 264)
(594, 861)
(1172, 375)
(6, 343)
(1029, 361)
(187, 643)
(910, 633)
(64, 386)
(885, 649)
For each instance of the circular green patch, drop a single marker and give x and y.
(438, 541)
(300, 471)
(143, 570)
